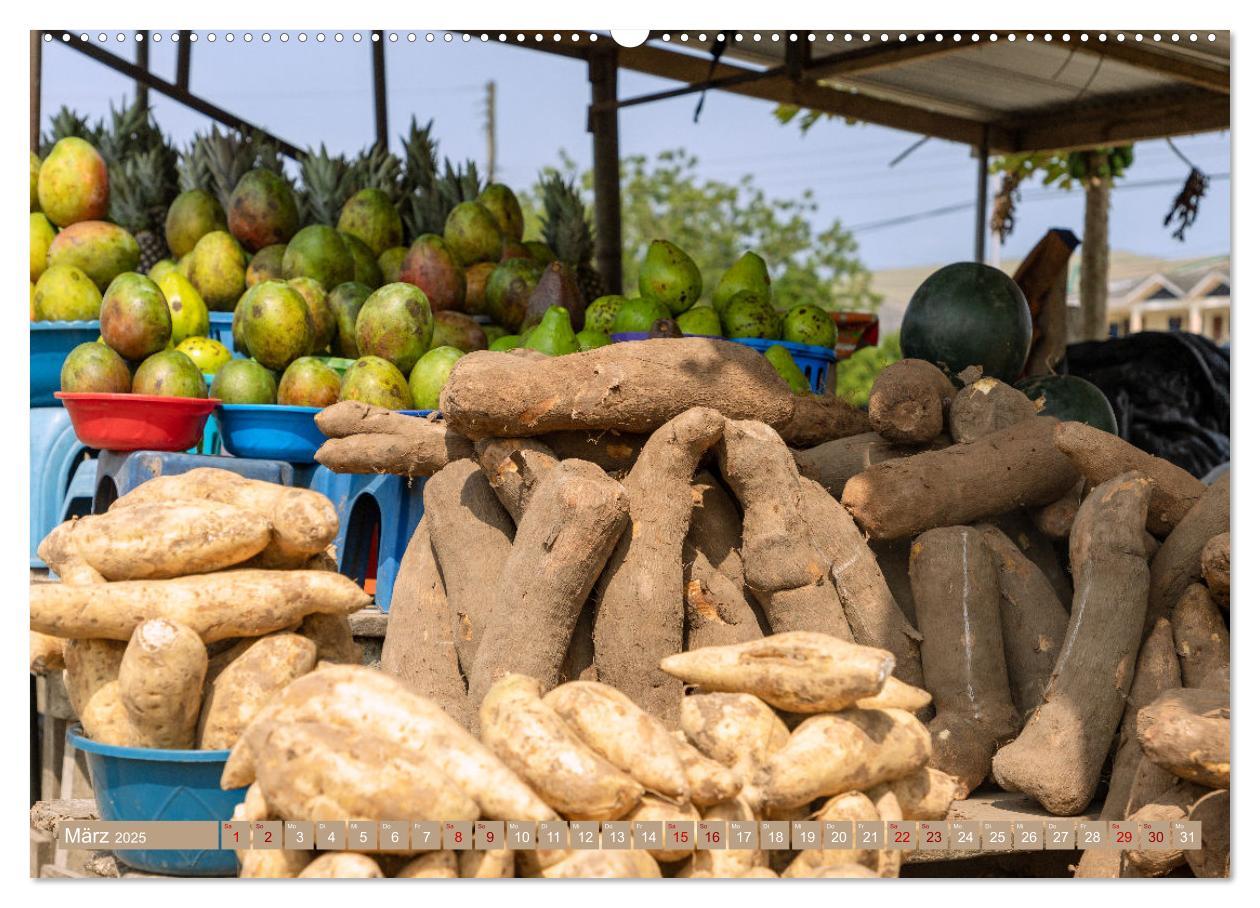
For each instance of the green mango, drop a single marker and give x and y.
(749, 273)
(668, 275)
(700, 320)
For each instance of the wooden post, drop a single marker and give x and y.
(982, 195)
(37, 55)
(607, 167)
(142, 61)
(378, 89)
(1095, 254)
(183, 60)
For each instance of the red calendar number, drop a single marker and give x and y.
(1155, 837)
(933, 837)
(1124, 838)
(267, 837)
(680, 836)
(902, 837)
(489, 837)
(713, 837)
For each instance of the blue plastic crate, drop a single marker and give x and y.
(57, 474)
(221, 329)
(143, 784)
(51, 343)
(818, 363)
(119, 472)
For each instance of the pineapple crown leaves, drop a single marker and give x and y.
(141, 188)
(65, 123)
(420, 161)
(326, 182)
(426, 209)
(216, 161)
(377, 168)
(565, 226)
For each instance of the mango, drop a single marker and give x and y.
(429, 376)
(809, 324)
(65, 293)
(135, 320)
(276, 324)
(101, 249)
(73, 183)
(217, 270)
(169, 373)
(376, 381)
(540, 252)
(701, 320)
(262, 210)
(308, 382)
(366, 269)
(748, 316)
(472, 233)
(431, 266)
(476, 277)
(322, 317)
(602, 311)
(191, 216)
(787, 368)
(319, 252)
(455, 329)
(243, 381)
(749, 274)
(94, 368)
(668, 275)
(266, 265)
(42, 235)
(345, 301)
(189, 315)
(508, 291)
(35, 162)
(162, 267)
(370, 216)
(209, 355)
(502, 203)
(395, 324)
(637, 315)
(589, 339)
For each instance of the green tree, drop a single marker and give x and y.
(715, 222)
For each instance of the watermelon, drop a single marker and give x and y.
(969, 314)
(1068, 397)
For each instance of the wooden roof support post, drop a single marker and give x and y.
(602, 124)
(142, 61)
(37, 55)
(378, 89)
(982, 195)
(183, 60)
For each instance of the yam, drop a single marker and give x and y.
(534, 741)
(333, 637)
(653, 809)
(1054, 520)
(273, 864)
(59, 551)
(893, 558)
(434, 865)
(562, 544)
(1211, 860)
(708, 781)
(737, 730)
(728, 862)
(367, 439)
(909, 401)
(1202, 640)
(603, 865)
(871, 612)
(903, 497)
(1059, 755)
(312, 771)
(1214, 563)
(796, 671)
(515, 467)
(487, 865)
(897, 694)
(608, 449)
(341, 865)
(1101, 456)
(629, 387)
(419, 648)
(956, 597)
(925, 794)
(639, 615)
(851, 750)
(260, 669)
(243, 603)
(984, 406)
(1032, 618)
(718, 608)
(833, 463)
(1171, 806)
(303, 521)
(818, 418)
(1178, 562)
(1186, 731)
(1039, 549)
(160, 682)
(471, 536)
(47, 654)
(629, 738)
(851, 806)
(356, 700)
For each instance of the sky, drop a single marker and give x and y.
(321, 93)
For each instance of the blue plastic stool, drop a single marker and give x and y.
(119, 472)
(385, 509)
(56, 458)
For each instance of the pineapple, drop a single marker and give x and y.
(141, 188)
(378, 168)
(326, 184)
(67, 122)
(216, 162)
(569, 234)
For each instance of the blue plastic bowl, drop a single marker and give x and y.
(416, 412)
(51, 343)
(221, 329)
(144, 784)
(623, 336)
(818, 363)
(269, 431)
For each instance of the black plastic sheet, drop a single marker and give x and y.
(1170, 392)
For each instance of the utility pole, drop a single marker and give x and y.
(490, 132)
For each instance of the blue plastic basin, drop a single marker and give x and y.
(141, 783)
(269, 431)
(51, 343)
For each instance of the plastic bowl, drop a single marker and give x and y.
(145, 784)
(51, 343)
(137, 422)
(623, 336)
(417, 412)
(221, 329)
(269, 431)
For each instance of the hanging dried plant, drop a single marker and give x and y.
(1185, 208)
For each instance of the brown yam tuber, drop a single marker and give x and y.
(160, 682)
(1178, 562)
(259, 669)
(1214, 563)
(419, 648)
(562, 544)
(244, 603)
(1032, 618)
(367, 439)
(639, 614)
(537, 744)
(608, 449)
(956, 485)
(985, 406)
(909, 401)
(1059, 755)
(1101, 456)
(833, 463)
(341, 865)
(1054, 520)
(796, 671)
(629, 387)
(515, 467)
(957, 601)
(1038, 549)
(1212, 859)
(1202, 640)
(717, 612)
(818, 418)
(1186, 731)
(1174, 804)
(470, 533)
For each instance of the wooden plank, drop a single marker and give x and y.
(369, 622)
(993, 805)
(1151, 57)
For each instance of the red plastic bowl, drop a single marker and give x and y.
(137, 422)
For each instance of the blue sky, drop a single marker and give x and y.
(311, 93)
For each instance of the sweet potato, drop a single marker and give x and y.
(487, 865)
(909, 400)
(655, 809)
(727, 862)
(435, 865)
(639, 614)
(984, 406)
(1101, 456)
(59, 551)
(341, 865)
(1186, 731)
(333, 638)
(1179, 560)
(897, 694)
(312, 771)
(357, 700)
(47, 654)
(851, 750)
(796, 671)
(902, 497)
(600, 865)
(303, 522)
(92, 686)
(925, 794)
(957, 597)
(1214, 563)
(854, 807)
(737, 730)
(1202, 640)
(160, 681)
(615, 387)
(535, 742)
(562, 544)
(708, 781)
(629, 738)
(244, 603)
(259, 670)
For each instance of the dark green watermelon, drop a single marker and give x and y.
(968, 314)
(1068, 397)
